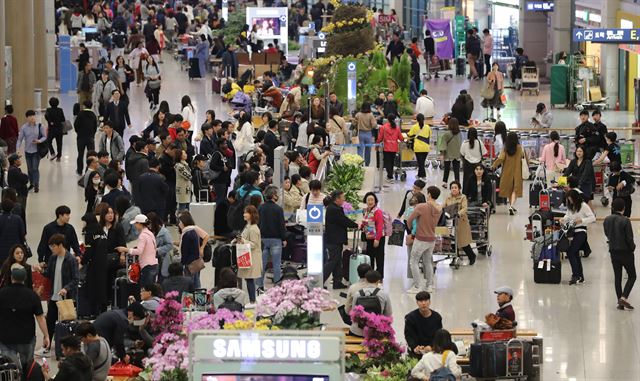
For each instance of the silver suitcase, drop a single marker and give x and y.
(203, 214)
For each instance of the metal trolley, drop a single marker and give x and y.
(446, 247)
(530, 80)
(479, 221)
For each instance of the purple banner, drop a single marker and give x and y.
(441, 33)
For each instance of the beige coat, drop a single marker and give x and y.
(292, 199)
(335, 128)
(511, 178)
(463, 228)
(251, 235)
(183, 182)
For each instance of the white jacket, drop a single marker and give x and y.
(134, 57)
(189, 114)
(431, 361)
(473, 155)
(244, 139)
(585, 214)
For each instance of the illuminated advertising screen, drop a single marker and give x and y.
(267, 27)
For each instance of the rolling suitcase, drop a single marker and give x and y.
(299, 253)
(354, 261)
(203, 213)
(216, 85)
(63, 329)
(494, 359)
(194, 68)
(122, 290)
(475, 360)
(547, 271)
(556, 197)
(83, 306)
(461, 68)
(534, 193)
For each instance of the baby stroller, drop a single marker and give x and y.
(241, 101)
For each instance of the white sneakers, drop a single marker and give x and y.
(413, 290)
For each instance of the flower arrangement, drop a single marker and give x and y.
(351, 159)
(293, 305)
(169, 316)
(348, 176)
(346, 25)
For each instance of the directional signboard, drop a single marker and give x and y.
(613, 35)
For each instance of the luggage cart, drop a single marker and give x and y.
(435, 67)
(479, 221)
(446, 246)
(600, 172)
(530, 80)
(405, 160)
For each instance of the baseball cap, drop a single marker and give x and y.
(504, 290)
(13, 157)
(140, 219)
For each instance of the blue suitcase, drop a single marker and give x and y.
(354, 261)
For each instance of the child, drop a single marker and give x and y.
(415, 48)
(612, 152)
(418, 198)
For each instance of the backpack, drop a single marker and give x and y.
(230, 303)
(370, 303)
(208, 253)
(443, 373)
(236, 210)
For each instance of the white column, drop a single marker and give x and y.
(50, 23)
(609, 54)
(535, 44)
(560, 31)
(481, 13)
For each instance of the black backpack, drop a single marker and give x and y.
(236, 210)
(231, 304)
(370, 303)
(226, 88)
(208, 253)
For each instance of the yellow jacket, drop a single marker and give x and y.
(416, 134)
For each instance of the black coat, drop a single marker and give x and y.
(69, 273)
(471, 190)
(167, 169)
(11, 233)
(155, 189)
(86, 124)
(76, 367)
(336, 225)
(99, 245)
(271, 142)
(54, 117)
(111, 197)
(18, 180)
(118, 115)
(207, 146)
(584, 173)
(218, 163)
(70, 239)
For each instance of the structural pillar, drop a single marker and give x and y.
(560, 32)
(3, 84)
(609, 54)
(481, 14)
(534, 43)
(40, 50)
(20, 36)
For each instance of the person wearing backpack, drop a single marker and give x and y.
(420, 135)
(373, 231)
(228, 295)
(372, 298)
(441, 363)
(243, 199)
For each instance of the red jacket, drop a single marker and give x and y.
(378, 220)
(9, 127)
(389, 138)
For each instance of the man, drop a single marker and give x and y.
(473, 53)
(395, 48)
(32, 134)
(96, 348)
(271, 141)
(425, 105)
(151, 148)
(111, 142)
(336, 104)
(136, 165)
(417, 188)
(504, 296)
(17, 179)
(18, 306)
(372, 288)
(60, 226)
(354, 289)
(113, 74)
(12, 227)
(165, 141)
(86, 125)
(167, 169)
(221, 169)
(588, 136)
(118, 113)
(62, 271)
(102, 94)
(420, 326)
(619, 234)
(207, 144)
(177, 281)
(335, 237)
(75, 366)
(273, 234)
(230, 62)
(86, 82)
(184, 144)
(103, 163)
(92, 166)
(112, 189)
(390, 106)
(428, 214)
(600, 127)
(622, 184)
(487, 49)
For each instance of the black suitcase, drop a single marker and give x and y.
(494, 359)
(480, 68)
(63, 329)
(83, 305)
(534, 193)
(556, 197)
(122, 290)
(194, 68)
(549, 273)
(475, 360)
(461, 66)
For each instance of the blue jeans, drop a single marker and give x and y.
(20, 353)
(271, 247)
(33, 162)
(365, 138)
(148, 275)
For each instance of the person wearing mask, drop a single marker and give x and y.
(32, 134)
(156, 190)
(366, 123)
(371, 287)
(335, 237)
(75, 366)
(54, 116)
(390, 135)
(153, 76)
(251, 235)
(619, 233)
(582, 168)
(499, 137)
(227, 290)
(273, 234)
(19, 305)
(428, 215)
(463, 228)
(373, 232)
(440, 356)
(85, 125)
(192, 246)
(145, 251)
(579, 214)
(61, 226)
(12, 228)
(96, 348)
(117, 112)
(495, 81)
(449, 147)
(511, 160)
(543, 118)
(395, 49)
(487, 48)
(111, 142)
(425, 105)
(472, 151)
(478, 188)
(421, 325)
(553, 157)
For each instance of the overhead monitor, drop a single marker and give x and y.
(540, 6)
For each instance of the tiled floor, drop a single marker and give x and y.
(585, 337)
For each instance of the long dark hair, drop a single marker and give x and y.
(500, 129)
(454, 126)
(554, 136)
(366, 107)
(6, 266)
(244, 118)
(574, 200)
(186, 101)
(155, 64)
(441, 341)
(155, 222)
(391, 117)
(511, 143)
(472, 136)
(420, 120)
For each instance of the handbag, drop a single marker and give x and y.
(133, 272)
(195, 266)
(66, 310)
(243, 255)
(41, 286)
(525, 168)
(488, 92)
(503, 99)
(43, 148)
(66, 126)
(125, 370)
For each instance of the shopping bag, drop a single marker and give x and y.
(66, 310)
(503, 99)
(525, 169)
(243, 255)
(488, 92)
(41, 286)
(67, 126)
(133, 272)
(122, 369)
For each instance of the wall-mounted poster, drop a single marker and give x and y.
(8, 73)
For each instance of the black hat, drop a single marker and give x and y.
(13, 157)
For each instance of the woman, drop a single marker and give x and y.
(100, 243)
(411, 230)
(441, 355)
(17, 254)
(511, 160)
(244, 137)
(159, 125)
(289, 107)
(460, 111)
(191, 247)
(145, 251)
(463, 228)
(495, 81)
(373, 231)
(420, 133)
(389, 135)
(553, 157)
(92, 190)
(136, 59)
(161, 39)
(543, 118)
(251, 236)
(582, 168)
(154, 81)
(183, 181)
(472, 151)
(336, 127)
(316, 153)
(9, 129)
(578, 214)
(499, 137)
(188, 114)
(478, 188)
(55, 120)
(125, 74)
(200, 186)
(317, 111)
(449, 147)
(164, 244)
(292, 195)
(365, 125)
(228, 290)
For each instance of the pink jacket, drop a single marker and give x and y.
(146, 249)
(378, 220)
(389, 137)
(549, 160)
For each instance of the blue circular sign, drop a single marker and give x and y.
(283, 18)
(321, 35)
(351, 66)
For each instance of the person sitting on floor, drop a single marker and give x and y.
(421, 325)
